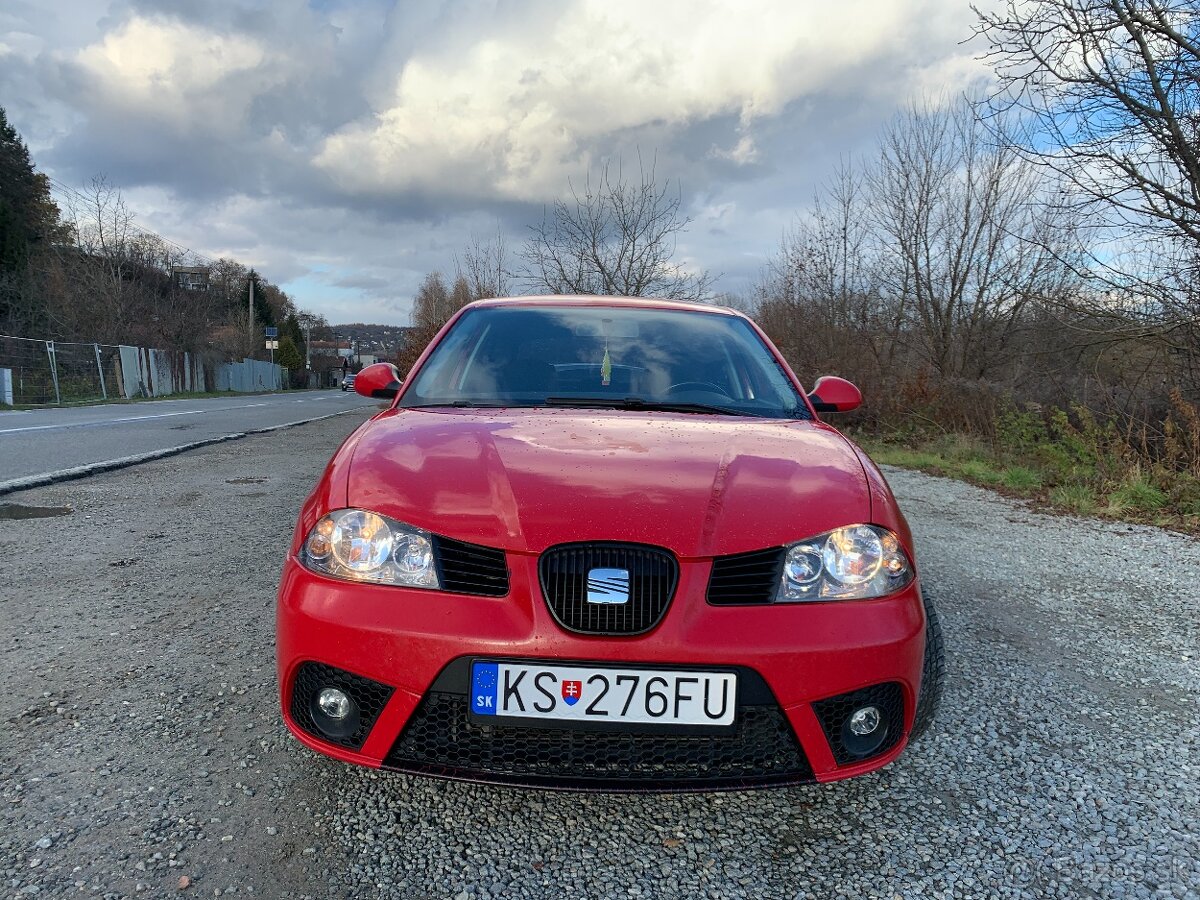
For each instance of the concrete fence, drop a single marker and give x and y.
(36, 372)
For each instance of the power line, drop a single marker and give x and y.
(72, 192)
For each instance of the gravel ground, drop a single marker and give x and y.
(143, 752)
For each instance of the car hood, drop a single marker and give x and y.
(525, 479)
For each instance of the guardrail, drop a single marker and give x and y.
(37, 372)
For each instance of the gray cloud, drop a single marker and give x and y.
(348, 147)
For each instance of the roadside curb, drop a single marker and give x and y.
(123, 462)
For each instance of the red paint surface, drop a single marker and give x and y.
(525, 479)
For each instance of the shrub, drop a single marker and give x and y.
(1020, 478)
(1138, 494)
(1077, 498)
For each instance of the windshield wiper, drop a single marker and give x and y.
(464, 404)
(640, 404)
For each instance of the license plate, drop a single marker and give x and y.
(599, 695)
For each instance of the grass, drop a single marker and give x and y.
(1022, 479)
(981, 472)
(1137, 494)
(1071, 477)
(1075, 498)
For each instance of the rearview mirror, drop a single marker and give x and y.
(833, 394)
(380, 381)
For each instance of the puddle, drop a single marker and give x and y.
(21, 511)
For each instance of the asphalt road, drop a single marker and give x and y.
(33, 442)
(143, 753)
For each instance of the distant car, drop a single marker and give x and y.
(602, 543)
(348, 381)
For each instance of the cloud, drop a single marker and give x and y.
(347, 147)
(744, 152)
(178, 71)
(513, 117)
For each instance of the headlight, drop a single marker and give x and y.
(364, 546)
(851, 563)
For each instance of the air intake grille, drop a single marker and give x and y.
(472, 569)
(833, 713)
(441, 740)
(653, 575)
(745, 578)
(371, 697)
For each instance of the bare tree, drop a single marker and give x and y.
(432, 308)
(820, 293)
(1110, 92)
(921, 273)
(460, 294)
(485, 267)
(113, 274)
(616, 236)
(967, 242)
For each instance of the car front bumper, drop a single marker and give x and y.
(410, 651)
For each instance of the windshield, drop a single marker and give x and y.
(600, 356)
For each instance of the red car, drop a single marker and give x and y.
(605, 543)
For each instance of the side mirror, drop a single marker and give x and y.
(832, 394)
(380, 381)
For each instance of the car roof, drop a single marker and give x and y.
(591, 300)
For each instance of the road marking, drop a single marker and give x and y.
(191, 412)
(44, 478)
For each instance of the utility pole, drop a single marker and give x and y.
(308, 346)
(250, 312)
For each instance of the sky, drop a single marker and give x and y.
(347, 149)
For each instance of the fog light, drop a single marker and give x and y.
(337, 705)
(335, 713)
(864, 731)
(865, 720)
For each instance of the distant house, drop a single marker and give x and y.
(190, 278)
(337, 348)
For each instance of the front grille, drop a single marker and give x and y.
(745, 578)
(440, 740)
(653, 575)
(833, 712)
(370, 696)
(471, 569)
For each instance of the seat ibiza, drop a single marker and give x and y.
(605, 543)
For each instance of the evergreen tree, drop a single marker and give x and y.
(291, 329)
(29, 223)
(264, 315)
(288, 355)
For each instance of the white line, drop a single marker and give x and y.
(98, 422)
(193, 412)
(45, 478)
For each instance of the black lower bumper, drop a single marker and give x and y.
(440, 739)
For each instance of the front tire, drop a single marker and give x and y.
(933, 672)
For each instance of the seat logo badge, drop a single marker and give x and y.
(609, 586)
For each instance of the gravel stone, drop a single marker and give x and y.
(1064, 762)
